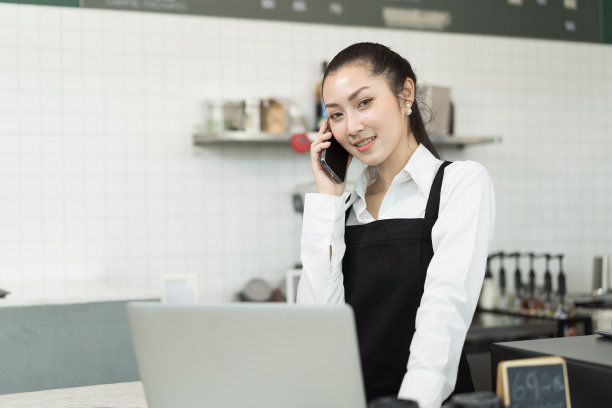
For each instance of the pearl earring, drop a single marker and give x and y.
(409, 111)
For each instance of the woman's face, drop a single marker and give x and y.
(365, 115)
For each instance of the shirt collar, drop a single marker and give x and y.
(367, 177)
(421, 168)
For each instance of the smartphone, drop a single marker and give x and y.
(334, 159)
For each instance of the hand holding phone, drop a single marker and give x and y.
(329, 162)
(334, 159)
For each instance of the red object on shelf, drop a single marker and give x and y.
(300, 142)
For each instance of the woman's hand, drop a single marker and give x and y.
(324, 183)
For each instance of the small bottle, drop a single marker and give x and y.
(320, 112)
(561, 311)
(488, 295)
(548, 287)
(561, 287)
(516, 303)
(522, 308)
(530, 303)
(542, 305)
(502, 303)
(252, 115)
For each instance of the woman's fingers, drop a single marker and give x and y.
(321, 146)
(321, 142)
(323, 127)
(323, 181)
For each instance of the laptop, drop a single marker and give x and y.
(270, 355)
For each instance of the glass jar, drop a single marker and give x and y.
(214, 120)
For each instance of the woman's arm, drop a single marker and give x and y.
(322, 250)
(461, 239)
(322, 233)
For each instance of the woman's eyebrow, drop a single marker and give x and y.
(351, 97)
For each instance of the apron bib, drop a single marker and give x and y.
(384, 269)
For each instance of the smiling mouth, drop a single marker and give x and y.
(365, 141)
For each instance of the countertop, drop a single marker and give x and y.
(487, 327)
(121, 395)
(594, 349)
(588, 359)
(73, 291)
(490, 326)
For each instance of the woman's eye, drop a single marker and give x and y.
(365, 102)
(335, 115)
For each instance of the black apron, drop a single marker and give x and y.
(384, 270)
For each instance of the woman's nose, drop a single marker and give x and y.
(354, 125)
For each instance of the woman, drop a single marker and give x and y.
(408, 249)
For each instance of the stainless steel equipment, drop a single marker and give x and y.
(601, 275)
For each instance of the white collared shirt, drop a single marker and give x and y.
(461, 239)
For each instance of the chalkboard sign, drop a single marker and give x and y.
(533, 383)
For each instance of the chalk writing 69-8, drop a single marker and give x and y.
(535, 387)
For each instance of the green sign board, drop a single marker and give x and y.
(65, 3)
(607, 21)
(569, 20)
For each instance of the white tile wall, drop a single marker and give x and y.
(102, 191)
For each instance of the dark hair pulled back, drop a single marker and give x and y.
(384, 62)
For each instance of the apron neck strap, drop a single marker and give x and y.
(433, 203)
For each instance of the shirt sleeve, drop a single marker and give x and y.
(461, 239)
(322, 227)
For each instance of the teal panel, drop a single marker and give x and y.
(61, 346)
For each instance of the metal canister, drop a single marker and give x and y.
(233, 112)
(601, 275)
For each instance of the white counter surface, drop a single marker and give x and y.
(121, 395)
(32, 293)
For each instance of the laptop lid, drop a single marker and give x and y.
(247, 355)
